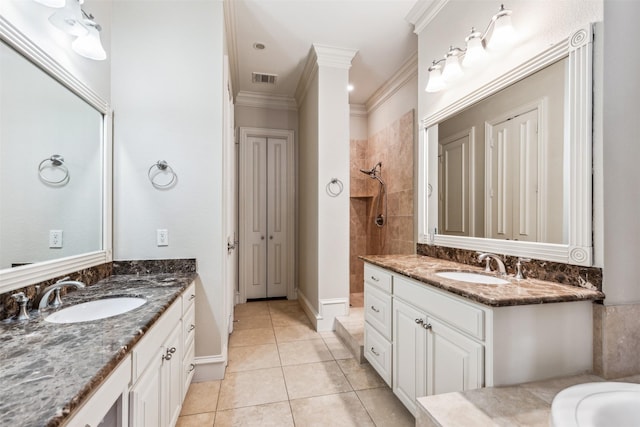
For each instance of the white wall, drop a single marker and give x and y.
(358, 126)
(402, 101)
(621, 198)
(308, 196)
(269, 118)
(167, 81)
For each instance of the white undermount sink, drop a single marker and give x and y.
(466, 276)
(95, 310)
(602, 404)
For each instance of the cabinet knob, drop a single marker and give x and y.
(191, 297)
(420, 321)
(169, 353)
(375, 309)
(192, 327)
(375, 279)
(427, 326)
(373, 350)
(191, 367)
(171, 350)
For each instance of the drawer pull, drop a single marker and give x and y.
(192, 297)
(373, 350)
(375, 309)
(375, 279)
(191, 367)
(427, 326)
(420, 321)
(191, 327)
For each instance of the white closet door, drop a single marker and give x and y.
(454, 197)
(277, 217)
(254, 253)
(525, 221)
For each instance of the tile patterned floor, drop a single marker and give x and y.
(282, 373)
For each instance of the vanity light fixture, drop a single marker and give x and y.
(71, 19)
(474, 54)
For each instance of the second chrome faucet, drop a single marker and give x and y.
(486, 256)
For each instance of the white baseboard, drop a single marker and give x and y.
(329, 309)
(209, 368)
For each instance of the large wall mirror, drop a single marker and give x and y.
(54, 162)
(507, 169)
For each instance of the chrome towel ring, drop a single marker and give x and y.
(161, 167)
(55, 161)
(334, 187)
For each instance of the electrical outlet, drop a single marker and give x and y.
(162, 236)
(55, 238)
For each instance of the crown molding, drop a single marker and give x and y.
(358, 110)
(336, 57)
(308, 72)
(232, 43)
(423, 12)
(405, 73)
(263, 100)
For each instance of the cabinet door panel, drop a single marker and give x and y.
(145, 397)
(409, 352)
(455, 363)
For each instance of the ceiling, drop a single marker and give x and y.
(378, 29)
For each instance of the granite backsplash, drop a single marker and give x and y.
(567, 274)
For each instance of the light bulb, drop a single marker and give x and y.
(452, 70)
(435, 83)
(90, 45)
(475, 53)
(503, 34)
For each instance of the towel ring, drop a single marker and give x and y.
(57, 161)
(334, 187)
(161, 166)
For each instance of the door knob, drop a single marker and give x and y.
(261, 237)
(270, 237)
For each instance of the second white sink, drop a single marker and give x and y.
(95, 310)
(466, 276)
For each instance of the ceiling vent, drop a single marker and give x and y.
(264, 78)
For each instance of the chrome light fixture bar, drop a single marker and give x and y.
(73, 20)
(474, 54)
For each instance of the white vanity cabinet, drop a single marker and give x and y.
(430, 357)
(441, 342)
(159, 375)
(377, 314)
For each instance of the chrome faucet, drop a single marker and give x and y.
(488, 256)
(41, 301)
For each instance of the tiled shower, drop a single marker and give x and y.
(394, 147)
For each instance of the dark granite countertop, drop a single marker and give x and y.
(48, 370)
(517, 292)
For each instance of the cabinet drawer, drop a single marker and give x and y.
(189, 326)
(188, 298)
(377, 277)
(377, 350)
(377, 309)
(448, 308)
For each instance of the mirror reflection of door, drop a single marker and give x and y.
(512, 172)
(454, 163)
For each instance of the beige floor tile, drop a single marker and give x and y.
(290, 319)
(385, 409)
(360, 376)
(199, 420)
(252, 337)
(270, 415)
(252, 388)
(250, 309)
(201, 397)
(335, 410)
(337, 348)
(252, 322)
(283, 305)
(299, 352)
(253, 357)
(295, 333)
(315, 379)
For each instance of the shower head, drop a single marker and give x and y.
(373, 172)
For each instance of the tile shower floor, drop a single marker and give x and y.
(283, 373)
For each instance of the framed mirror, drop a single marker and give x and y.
(507, 168)
(55, 167)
